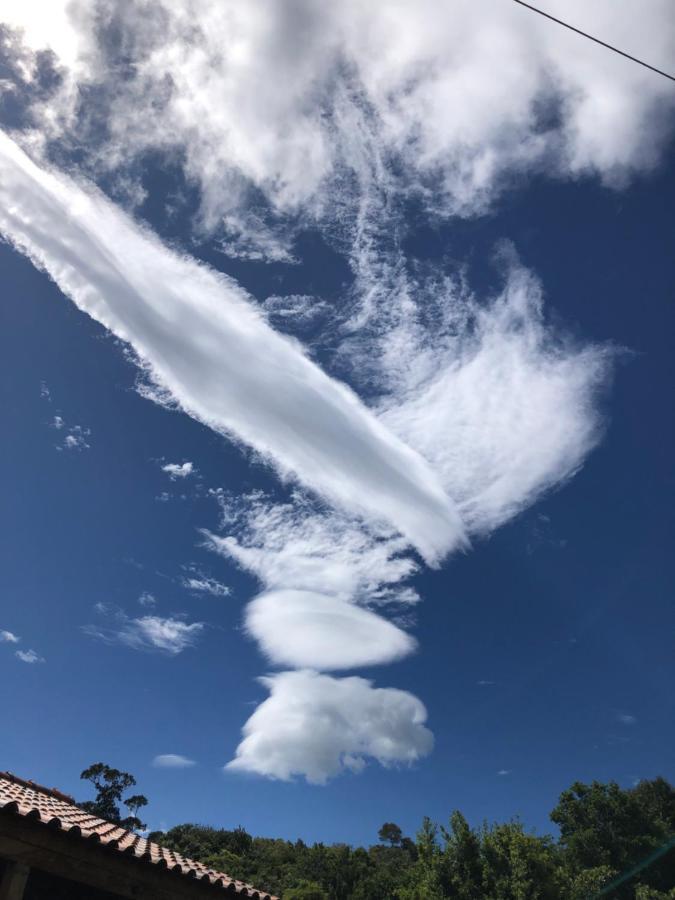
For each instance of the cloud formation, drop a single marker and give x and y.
(198, 583)
(324, 576)
(459, 98)
(172, 761)
(74, 436)
(318, 726)
(473, 406)
(178, 470)
(8, 637)
(207, 349)
(29, 656)
(168, 635)
(519, 400)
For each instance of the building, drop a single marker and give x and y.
(50, 849)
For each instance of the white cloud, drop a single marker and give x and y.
(8, 637)
(478, 401)
(459, 96)
(501, 405)
(317, 726)
(29, 656)
(503, 772)
(147, 599)
(199, 583)
(302, 545)
(205, 346)
(320, 571)
(172, 761)
(76, 437)
(178, 470)
(320, 631)
(169, 635)
(626, 719)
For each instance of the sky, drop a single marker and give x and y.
(336, 377)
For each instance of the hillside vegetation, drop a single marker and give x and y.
(613, 842)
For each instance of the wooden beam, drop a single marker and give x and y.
(14, 881)
(68, 856)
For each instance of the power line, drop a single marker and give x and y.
(597, 40)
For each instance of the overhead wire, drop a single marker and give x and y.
(590, 37)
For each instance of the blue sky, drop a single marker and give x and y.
(544, 651)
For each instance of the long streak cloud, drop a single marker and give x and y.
(216, 356)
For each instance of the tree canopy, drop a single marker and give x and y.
(614, 842)
(110, 784)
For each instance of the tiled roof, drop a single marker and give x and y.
(47, 805)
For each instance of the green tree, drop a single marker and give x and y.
(424, 877)
(110, 785)
(628, 831)
(461, 860)
(306, 890)
(390, 834)
(518, 865)
(613, 843)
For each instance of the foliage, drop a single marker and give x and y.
(110, 784)
(390, 834)
(306, 890)
(628, 831)
(613, 843)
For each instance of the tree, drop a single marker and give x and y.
(628, 831)
(462, 867)
(306, 890)
(390, 834)
(110, 784)
(424, 877)
(518, 865)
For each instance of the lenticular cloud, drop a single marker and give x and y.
(322, 631)
(205, 345)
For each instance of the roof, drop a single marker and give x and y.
(57, 810)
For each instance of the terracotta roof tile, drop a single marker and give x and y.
(58, 810)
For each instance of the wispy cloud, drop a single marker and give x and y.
(626, 718)
(29, 656)
(178, 470)
(503, 772)
(147, 599)
(76, 439)
(169, 635)
(323, 573)
(74, 436)
(456, 134)
(172, 761)
(523, 415)
(199, 583)
(206, 348)
(8, 637)
(317, 726)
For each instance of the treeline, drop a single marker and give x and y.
(613, 842)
